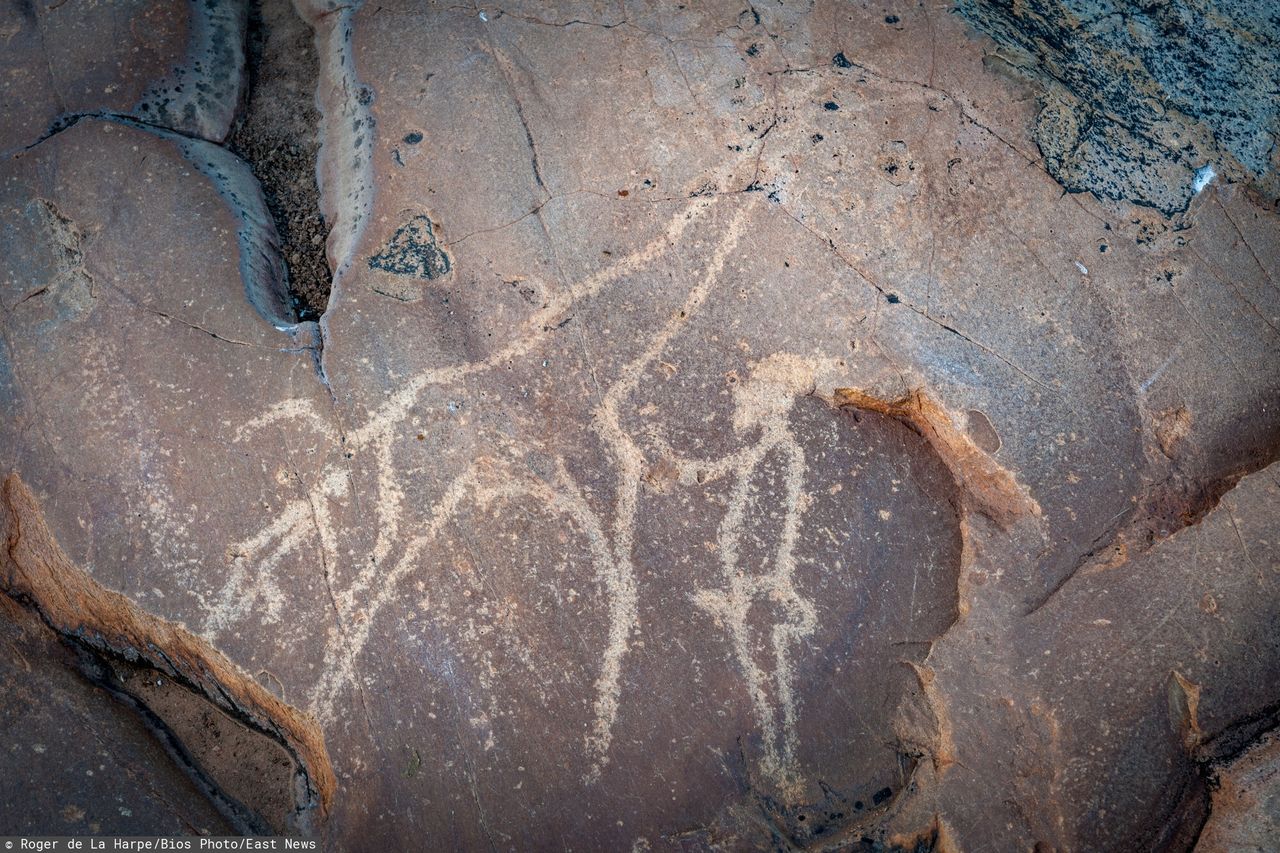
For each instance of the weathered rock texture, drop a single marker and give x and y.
(1137, 98)
(723, 433)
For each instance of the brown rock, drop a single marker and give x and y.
(1246, 804)
(723, 434)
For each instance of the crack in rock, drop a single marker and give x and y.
(133, 652)
(278, 135)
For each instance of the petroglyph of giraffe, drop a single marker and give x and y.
(762, 405)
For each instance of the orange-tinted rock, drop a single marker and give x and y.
(1246, 803)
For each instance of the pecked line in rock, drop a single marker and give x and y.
(695, 489)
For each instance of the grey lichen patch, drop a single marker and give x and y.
(1135, 99)
(413, 251)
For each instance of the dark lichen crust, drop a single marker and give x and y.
(413, 251)
(1137, 98)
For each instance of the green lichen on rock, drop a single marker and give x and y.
(1136, 97)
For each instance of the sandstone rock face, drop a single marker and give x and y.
(1246, 813)
(723, 432)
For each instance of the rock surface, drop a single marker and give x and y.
(723, 433)
(1144, 102)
